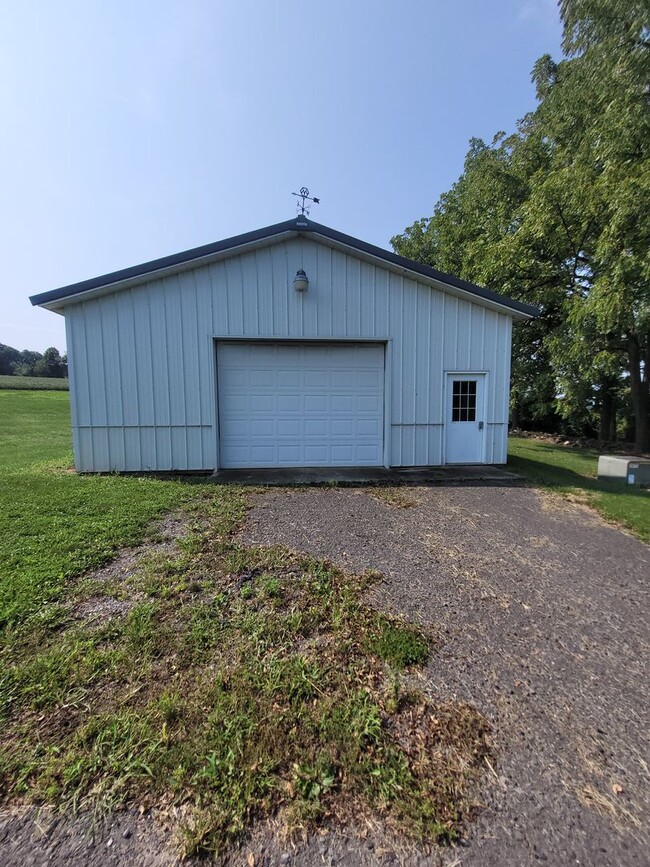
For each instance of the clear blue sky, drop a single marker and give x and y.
(133, 130)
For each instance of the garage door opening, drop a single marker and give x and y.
(300, 404)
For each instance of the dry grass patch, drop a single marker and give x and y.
(398, 497)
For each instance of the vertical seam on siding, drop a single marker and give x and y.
(154, 403)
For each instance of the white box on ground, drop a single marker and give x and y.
(626, 468)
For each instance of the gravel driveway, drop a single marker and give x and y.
(542, 612)
(542, 615)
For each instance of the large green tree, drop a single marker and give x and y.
(557, 214)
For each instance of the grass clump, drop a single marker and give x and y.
(399, 644)
(572, 473)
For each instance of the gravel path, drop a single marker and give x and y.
(543, 615)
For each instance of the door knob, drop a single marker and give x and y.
(480, 425)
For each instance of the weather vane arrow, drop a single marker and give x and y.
(304, 195)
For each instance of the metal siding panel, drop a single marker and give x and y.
(163, 448)
(249, 294)
(396, 321)
(174, 354)
(476, 360)
(194, 449)
(500, 371)
(380, 302)
(367, 300)
(143, 356)
(127, 359)
(314, 298)
(101, 450)
(95, 362)
(353, 293)
(505, 378)
(208, 448)
(159, 351)
(116, 448)
(422, 347)
(84, 456)
(219, 298)
(204, 331)
(280, 283)
(396, 446)
(263, 282)
(324, 287)
(421, 450)
(148, 456)
(234, 308)
(179, 454)
(450, 306)
(132, 451)
(408, 446)
(339, 296)
(112, 373)
(489, 362)
(189, 357)
(463, 318)
(75, 328)
(295, 300)
(409, 349)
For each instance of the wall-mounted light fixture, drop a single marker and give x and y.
(300, 281)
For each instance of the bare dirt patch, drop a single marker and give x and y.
(99, 604)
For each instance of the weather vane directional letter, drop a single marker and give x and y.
(304, 195)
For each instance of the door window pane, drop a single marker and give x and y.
(463, 400)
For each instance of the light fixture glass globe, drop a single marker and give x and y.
(300, 282)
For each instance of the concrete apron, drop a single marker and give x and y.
(366, 475)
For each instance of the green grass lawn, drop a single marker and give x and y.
(54, 523)
(572, 472)
(236, 683)
(33, 383)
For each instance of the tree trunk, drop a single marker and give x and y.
(640, 392)
(514, 416)
(612, 430)
(607, 411)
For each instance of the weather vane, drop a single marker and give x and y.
(304, 195)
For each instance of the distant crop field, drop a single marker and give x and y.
(34, 383)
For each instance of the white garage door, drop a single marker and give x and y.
(300, 405)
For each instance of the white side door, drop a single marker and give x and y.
(465, 418)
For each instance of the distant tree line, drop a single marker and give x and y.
(25, 362)
(556, 214)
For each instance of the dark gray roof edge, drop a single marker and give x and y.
(298, 224)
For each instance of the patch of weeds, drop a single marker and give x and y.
(271, 587)
(170, 706)
(107, 757)
(63, 673)
(144, 633)
(398, 644)
(206, 628)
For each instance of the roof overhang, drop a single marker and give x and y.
(58, 299)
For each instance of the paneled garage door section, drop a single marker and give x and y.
(300, 405)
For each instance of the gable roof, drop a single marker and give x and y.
(57, 299)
